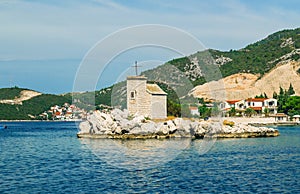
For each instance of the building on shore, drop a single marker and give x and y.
(145, 99)
(259, 105)
(296, 118)
(281, 117)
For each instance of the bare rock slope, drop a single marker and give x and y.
(245, 85)
(25, 95)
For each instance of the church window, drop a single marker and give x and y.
(132, 95)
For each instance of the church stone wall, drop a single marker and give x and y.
(159, 106)
(140, 103)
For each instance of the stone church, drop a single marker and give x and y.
(145, 99)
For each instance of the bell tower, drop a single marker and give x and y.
(137, 101)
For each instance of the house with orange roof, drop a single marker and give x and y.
(194, 110)
(259, 105)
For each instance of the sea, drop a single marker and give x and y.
(47, 157)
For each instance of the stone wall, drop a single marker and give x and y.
(140, 104)
(158, 106)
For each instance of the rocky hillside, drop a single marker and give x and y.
(245, 85)
(257, 68)
(261, 67)
(16, 95)
(23, 104)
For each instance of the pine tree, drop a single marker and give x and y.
(291, 90)
(281, 91)
(280, 99)
(275, 95)
(265, 95)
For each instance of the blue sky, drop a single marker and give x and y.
(43, 42)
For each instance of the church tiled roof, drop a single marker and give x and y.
(155, 89)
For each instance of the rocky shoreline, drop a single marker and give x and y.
(118, 124)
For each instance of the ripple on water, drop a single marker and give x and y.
(47, 157)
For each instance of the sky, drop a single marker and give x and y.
(43, 43)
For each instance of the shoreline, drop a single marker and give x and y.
(173, 136)
(10, 121)
(254, 121)
(261, 121)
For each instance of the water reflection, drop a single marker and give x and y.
(136, 154)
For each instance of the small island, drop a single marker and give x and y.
(118, 124)
(146, 117)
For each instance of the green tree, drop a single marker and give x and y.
(249, 112)
(292, 105)
(173, 109)
(281, 91)
(275, 95)
(185, 111)
(260, 96)
(204, 111)
(281, 99)
(291, 90)
(266, 112)
(232, 112)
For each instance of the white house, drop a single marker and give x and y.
(194, 110)
(281, 117)
(260, 104)
(228, 104)
(271, 104)
(296, 118)
(257, 104)
(145, 99)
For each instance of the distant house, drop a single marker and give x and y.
(228, 104)
(271, 104)
(281, 117)
(296, 118)
(194, 110)
(257, 104)
(261, 104)
(145, 99)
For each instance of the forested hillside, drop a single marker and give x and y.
(29, 108)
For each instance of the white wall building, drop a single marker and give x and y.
(257, 104)
(145, 99)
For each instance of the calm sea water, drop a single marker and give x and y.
(42, 157)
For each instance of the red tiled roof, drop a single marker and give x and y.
(256, 108)
(280, 115)
(232, 101)
(193, 108)
(256, 99)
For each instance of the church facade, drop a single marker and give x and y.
(145, 99)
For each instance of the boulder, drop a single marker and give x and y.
(118, 114)
(85, 127)
(116, 124)
(149, 127)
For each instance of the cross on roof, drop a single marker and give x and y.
(136, 68)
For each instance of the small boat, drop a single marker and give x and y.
(3, 127)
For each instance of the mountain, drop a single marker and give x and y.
(278, 53)
(24, 104)
(258, 58)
